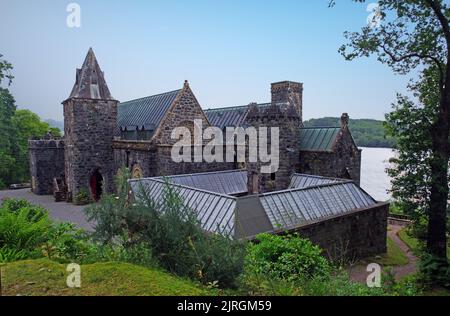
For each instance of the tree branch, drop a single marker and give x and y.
(398, 59)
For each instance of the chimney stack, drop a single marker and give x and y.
(288, 92)
(344, 120)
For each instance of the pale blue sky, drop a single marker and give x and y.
(229, 50)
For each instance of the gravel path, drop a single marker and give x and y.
(358, 273)
(60, 211)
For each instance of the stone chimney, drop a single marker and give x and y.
(344, 120)
(289, 92)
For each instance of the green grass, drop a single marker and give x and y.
(394, 256)
(45, 277)
(413, 243)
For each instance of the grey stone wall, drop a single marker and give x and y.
(136, 153)
(343, 162)
(359, 234)
(89, 127)
(289, 92)
(46, 162)
(185, 110)
(166, 166)
(288, 123)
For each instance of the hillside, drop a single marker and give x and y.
(55, 123)
(45, 277)
(366, 132)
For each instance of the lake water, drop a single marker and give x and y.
(374, 179)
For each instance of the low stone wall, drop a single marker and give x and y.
(359, 234)
(46, 163)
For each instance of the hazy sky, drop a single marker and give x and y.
(229, 50)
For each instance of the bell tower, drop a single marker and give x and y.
(90, 119)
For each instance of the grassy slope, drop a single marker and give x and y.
(393, 257)
(413, 243)
(45, 277)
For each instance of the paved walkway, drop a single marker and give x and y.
(60, 211)
(358, 273)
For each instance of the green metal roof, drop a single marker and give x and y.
(145, 112)
(318, 138)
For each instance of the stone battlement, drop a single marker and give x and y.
(46, 143)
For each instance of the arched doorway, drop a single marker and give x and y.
(96, 184)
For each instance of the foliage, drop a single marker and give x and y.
(26, 231)
(16, 127)
(9, 254)
(44, 277)
(366, 132)
(433, 270)
(415, 36)
(27, 125)
(66, 243)
(82, 197)
(20, 230)
(171, 231)
(289, 258)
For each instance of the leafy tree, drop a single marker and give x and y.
(8, 145)
(26, 125)
(16, 127)
(415, 35)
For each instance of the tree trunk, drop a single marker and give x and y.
(437, 220)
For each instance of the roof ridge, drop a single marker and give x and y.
(233, 107)
(150, 96)
(159, 180)
(312, 187)
(201, 173)
(319, 177)
(317, 127)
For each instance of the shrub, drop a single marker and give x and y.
(82, 197)
(23, 231)
(66, 243)
(434, 271)
(171, 231)
(10, 255)
(288, 257)
(14, 206)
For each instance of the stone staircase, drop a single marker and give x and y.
(59, 190)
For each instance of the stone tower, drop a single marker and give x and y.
(90, 119)
(286, 118)
(289, 92)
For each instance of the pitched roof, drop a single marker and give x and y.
(245, 217)
(304, 181)
(90, 82)
(145, 112)
(231, 182)
(215, 211)
(229, 116)
(318, 138)
(295, 207)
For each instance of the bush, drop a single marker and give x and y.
(288, 257)
(10, 255)
(171, 231)
(434, 271)
(26, 232)
(21, 230)
(82, 197)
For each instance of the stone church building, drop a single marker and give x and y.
(102, 134)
